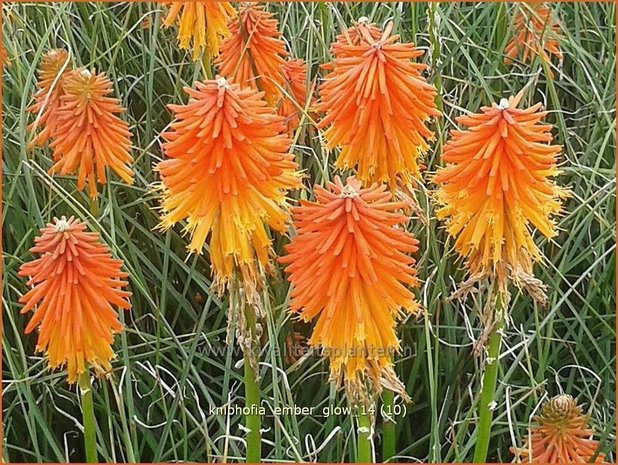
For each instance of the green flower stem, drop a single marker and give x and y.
(388, 427)
(93, 205)
(90, 438)
(363, 454)
(252, 400)
(207, 64)
(490, 377)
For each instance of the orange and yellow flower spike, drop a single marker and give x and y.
(496, 186)
(254, 55)
(47, 97)
(376, 106)
(536, 34)
(561, 435)
(351, 268)
(75, 286)
(227, 173)
(202, 24)
(88, 135)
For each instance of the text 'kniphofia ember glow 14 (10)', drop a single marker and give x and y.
(376, 105)
(496, 185)
(75, 286)
(351, 267)
(228, 173)
(202, 24)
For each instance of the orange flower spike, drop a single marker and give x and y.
(351, 268)
(47, 97)
(295, 72)
(376, 106)
(89, 136)
(536, 33)
(254, 55)
(355, 35)
(560, 436)
(227, 173)
(202, 24)
(75, 286)
(496, 185)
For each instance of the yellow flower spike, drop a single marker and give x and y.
(202, 24)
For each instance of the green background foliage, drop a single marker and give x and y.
(173, 361)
